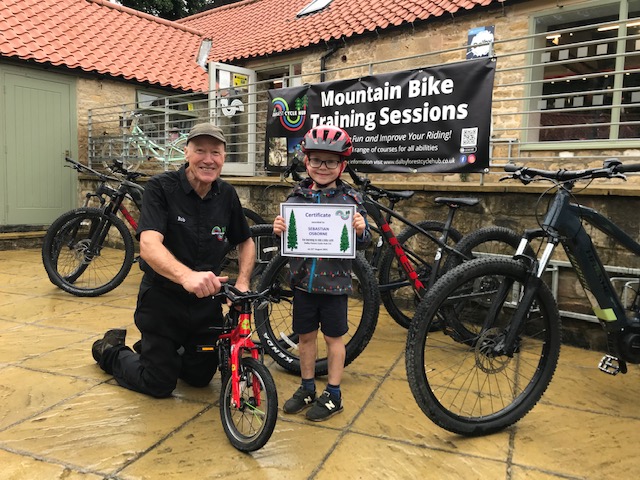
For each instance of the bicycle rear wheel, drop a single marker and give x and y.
(472, 385)
(87, 252)
(250, 424)
(274, 324)
(396, 289)
(488, 241)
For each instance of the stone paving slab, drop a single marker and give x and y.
(62, 417)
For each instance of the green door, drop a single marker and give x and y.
(37, 129)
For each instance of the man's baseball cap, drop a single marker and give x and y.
(207, 129)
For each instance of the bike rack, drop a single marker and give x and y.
(556, 265)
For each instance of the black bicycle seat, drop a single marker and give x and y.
(457, 202)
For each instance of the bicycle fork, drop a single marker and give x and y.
(509, 343)
(241, 342)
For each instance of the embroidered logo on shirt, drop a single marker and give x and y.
(181, 219)
(218, 232)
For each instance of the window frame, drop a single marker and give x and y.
(535, 80)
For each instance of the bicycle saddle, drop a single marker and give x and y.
(457, 202)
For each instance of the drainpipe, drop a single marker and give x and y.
(323, 60)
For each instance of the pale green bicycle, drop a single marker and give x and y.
(136, 147)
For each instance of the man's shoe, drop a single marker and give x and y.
(112, 338)
(326, 406)
(300, 400)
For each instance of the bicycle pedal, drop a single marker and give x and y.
(612, 365)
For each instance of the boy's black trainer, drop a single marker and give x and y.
(300, 400)
(326, 406)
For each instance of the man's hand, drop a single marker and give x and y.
(203, 284)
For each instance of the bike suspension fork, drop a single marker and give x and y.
(526, 297)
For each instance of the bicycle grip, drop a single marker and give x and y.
(628, 168)
(510, 167)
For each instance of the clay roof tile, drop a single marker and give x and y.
(99, 36)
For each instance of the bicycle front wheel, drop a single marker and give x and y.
(174, 153)
(274, 324)
(253, 218)
(87, 252)
(250, 424)
(396, 288)
(476, 384)
(134, 154)
(267, 247)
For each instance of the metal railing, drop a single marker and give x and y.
(516, 112)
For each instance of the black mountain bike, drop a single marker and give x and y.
(89, 251)
(499, 347)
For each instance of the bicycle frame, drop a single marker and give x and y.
(563, 224)
(115, 204)
(374, 210)
(141, 141)
(239, 341)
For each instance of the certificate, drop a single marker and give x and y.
(318, 230)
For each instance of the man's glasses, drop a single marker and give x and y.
(330, 164)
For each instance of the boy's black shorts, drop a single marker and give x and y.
(313, 310)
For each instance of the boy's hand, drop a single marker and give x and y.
(358, 223)
(279, 226)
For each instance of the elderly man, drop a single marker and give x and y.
(187, 217)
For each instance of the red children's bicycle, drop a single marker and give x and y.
(248, 398)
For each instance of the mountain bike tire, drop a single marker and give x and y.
(254, 218)
(486, 241)
(396, 290)
(267, 246)
(274, 324)
(249, 425)
(465, 385)
(74, 266)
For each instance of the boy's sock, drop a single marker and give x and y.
(309, 384)
(334, 390)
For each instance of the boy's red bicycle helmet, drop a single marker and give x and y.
(327, 138)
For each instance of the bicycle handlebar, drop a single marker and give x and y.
(612, 168)
(292, 170)
(364, 184)
(237, 296)
(117, 167)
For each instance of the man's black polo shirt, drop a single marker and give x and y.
(195, 229)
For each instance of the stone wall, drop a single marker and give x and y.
(96, 93)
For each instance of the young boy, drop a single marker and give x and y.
(321, 285)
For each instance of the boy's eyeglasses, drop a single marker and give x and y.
(330, 164)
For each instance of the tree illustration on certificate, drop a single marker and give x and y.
(344, 239)
(292, 233)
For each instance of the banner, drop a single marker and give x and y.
(434, 119)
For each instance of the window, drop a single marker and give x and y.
(314, 6)
(586, 74)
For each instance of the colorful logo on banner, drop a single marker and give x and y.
(291, 119)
